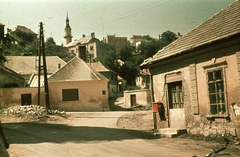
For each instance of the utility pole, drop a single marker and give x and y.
(42, 53)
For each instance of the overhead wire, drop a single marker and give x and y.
(125, 15)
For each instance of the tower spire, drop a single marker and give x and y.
(68, 34)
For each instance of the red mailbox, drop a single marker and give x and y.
(158, 107)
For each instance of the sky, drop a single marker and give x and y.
(122, 18)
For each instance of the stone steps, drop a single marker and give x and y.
(171, 132)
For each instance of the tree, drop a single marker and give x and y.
(167, 37)
(132, 58)
(51, 49)
(110, 60)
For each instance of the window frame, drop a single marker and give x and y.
(176, 98)
(213, 68)
(65, 92)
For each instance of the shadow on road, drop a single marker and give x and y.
(32, 133)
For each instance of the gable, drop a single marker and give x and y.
(7, 76)
(222, 25)
(82, 41)
(76, 70)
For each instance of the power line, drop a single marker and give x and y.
(124, 15)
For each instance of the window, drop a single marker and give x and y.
(26, 99)
(175, 95)
(91, 48)
(216, 92)
(70, 95)
(103, 92)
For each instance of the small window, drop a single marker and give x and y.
(91, 48)
(103, 92)
(216, 92)
(70, 95)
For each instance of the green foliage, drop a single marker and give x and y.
(51, 49)
(132, 58)
(167, 37)
(26, 37)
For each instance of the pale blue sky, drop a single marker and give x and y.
(120, 17)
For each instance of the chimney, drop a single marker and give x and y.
(93, 35)
(83, 35)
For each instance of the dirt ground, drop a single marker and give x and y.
(142, 120)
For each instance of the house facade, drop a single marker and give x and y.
(74, 87)
(78, 87)
(117, 42)
(110, 75)
(137, 97)
(88, 48)
(197, 77)
(135, 40)
(143, 79)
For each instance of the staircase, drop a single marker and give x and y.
(171, 132)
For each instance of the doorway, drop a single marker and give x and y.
(176, 105)
(133, 99)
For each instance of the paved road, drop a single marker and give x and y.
(82, 135)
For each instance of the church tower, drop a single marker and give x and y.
(68, 34)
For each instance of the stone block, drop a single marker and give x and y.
(221, 131)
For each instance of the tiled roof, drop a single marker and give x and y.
(11, 72)
(99, 67)
(23, 29)
(76, 70)
(25, 65)
(136, 37)
(222, 25)
(81, 41)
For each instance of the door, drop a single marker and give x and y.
(175, 105)
(26, 99)
(133, 99)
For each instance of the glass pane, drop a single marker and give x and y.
(210, 76)
(220, 87)
(214, 109)
(222, 109)
(213, 99)
(218, 74)
(211, 87)
(221, 98)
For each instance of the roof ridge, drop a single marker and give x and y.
(223, 24)
(94, 71)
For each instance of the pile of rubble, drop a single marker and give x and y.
(32, 110)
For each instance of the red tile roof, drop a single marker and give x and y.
(222, 25)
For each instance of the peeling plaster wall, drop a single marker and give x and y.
(195, 89)
(12, 96)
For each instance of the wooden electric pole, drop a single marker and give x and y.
(41, 53)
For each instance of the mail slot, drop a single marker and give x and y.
(158, 107)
